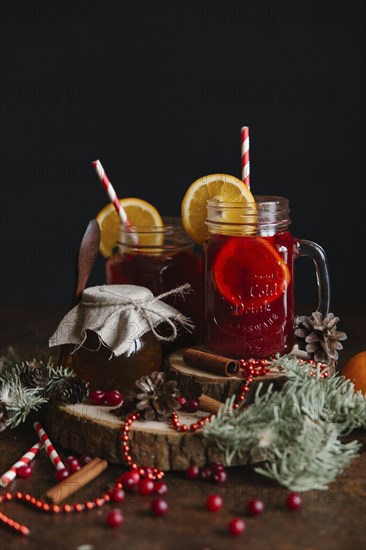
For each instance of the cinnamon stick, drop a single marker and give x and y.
(73, 483)
(210, 361)
(208, 404)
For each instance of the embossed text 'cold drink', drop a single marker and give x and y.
(249, 278)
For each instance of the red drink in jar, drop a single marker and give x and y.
(165, 260)
(249, 278)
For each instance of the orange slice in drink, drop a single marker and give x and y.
(223, 187)
(249, 272)
(139, 213)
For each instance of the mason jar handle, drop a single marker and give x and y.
(317, 254)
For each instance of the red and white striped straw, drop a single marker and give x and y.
(11, 474)
(50, 449)
(245, 164)
(110, 190)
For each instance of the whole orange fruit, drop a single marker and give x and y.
(355, 370)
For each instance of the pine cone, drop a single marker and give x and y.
(34, 374)
(323, 340)
(3, 416)
(72, 389)
(156, 397)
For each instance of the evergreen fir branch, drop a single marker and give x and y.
(20, 401)
(297, 427)
(56, 376)
(315, 458)
(332, 399)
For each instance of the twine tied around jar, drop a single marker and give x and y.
(120, 315)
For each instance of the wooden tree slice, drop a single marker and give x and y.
(193, 381)
(95, 431)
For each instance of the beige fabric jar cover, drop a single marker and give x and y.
(119, 315)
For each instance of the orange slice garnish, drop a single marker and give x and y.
(249, 272)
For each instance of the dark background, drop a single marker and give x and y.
(158, 91)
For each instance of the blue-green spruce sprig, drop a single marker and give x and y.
(297, 429)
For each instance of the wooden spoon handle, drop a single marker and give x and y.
(86, 256)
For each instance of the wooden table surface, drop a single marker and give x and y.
(328, 519)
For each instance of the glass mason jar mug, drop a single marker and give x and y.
(249, 277)
(160, 259)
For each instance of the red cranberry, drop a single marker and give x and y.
(192, 472)
(117, 495)
(159, 506)
(130, 479)
(62, 474)
(214, 503)
(84, 460)
(97, 397)
(146, 487)
(217, 467)
(220, 477)
(236, 526)
(160, 488)
(192, 406)
(113, 398)
(206, 473)
(183, 402)
(255, 507)
(148, 471)
(71, 462)
(24, 471)
(135, 475)
(293, 501)
(74, 467)
(115, 518)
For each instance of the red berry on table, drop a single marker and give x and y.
(113, 398)
(293, 501)
(135, 476)
(192, 406)
(62, 474)
(130, 479)
(74, 467)
(117, 495)
(206, 473)
(220, 477)
(214, 503)
(24, 471)
(146, 487)
(72, 461)
(97, 397)
(183, 402)
(115, 518)
(236, 526)
(160, 488)
(217, 467)
(84, 460)
(159, 506)
(255, 507)
(192, 472)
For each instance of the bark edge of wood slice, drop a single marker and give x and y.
(87, 429)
